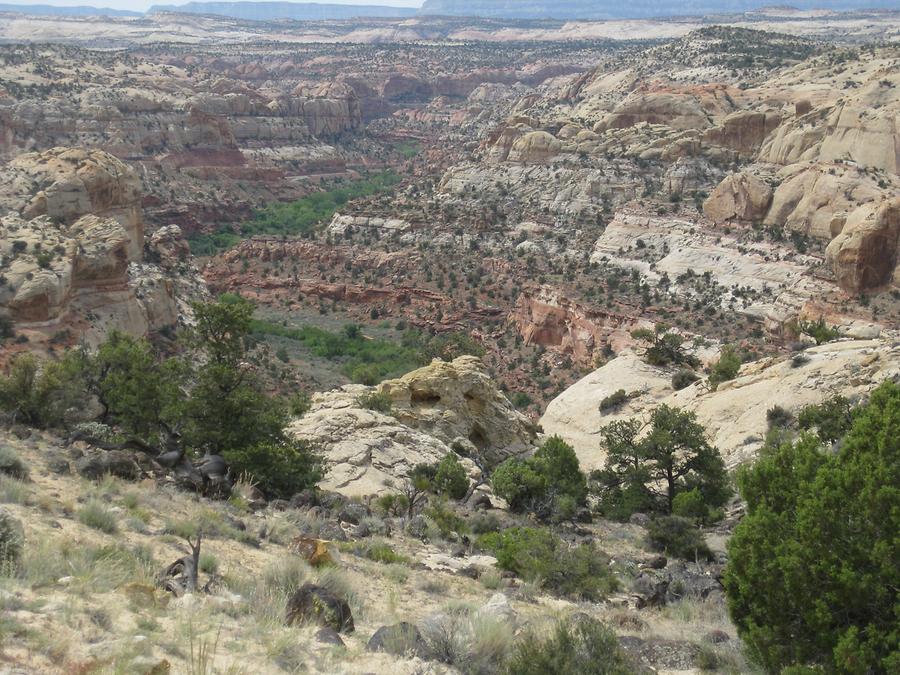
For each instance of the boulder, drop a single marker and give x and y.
(316, 604)
(497, 609)
(739, 197)
(399, 639)
(535, 147)
(864, 255)
(329, 636)
(99, 463)
(313, 551)
(458, 399)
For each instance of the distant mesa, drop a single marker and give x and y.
(587, 10)
(298, 11)
(637, 9)
(52, 10)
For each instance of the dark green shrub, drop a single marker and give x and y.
(819, 331)
(799, 360)
(778, 417)
(812, 574)
(518, 483)
(42, 393)
(677, 537)
(482, 523)
(451, 479)
(684, 377)
(280, 468)
(377, 401)
(615, 400)
(12, 541)
(665, 348)
(537, 484)
(690, 504)
(383, 553)
(11, 464)
(445, 519)
(585, 646)
(830, 419)
(726, 368)
(535, 554)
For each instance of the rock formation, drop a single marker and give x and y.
(543, 317)
(73, 243)
(458, 399)
(741, 197)
(437, 409)
(67, 183)
(865, 253)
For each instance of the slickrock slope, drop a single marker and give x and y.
(765, 280)
(73, 247)
(735, 414)
(433, 408)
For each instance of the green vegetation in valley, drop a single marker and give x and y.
(408, 148)
(370, 360)
(300, 217)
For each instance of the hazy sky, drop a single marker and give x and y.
(140, 5)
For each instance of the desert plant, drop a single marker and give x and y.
(12, 541)
(811, 576)
(664, 347)
(450, 479)
(544, 482)
(818, 330)
(678, 537)
(726, 368)
(830, 419)
(377, 401)
(536, 554)
(97, 515)
(684, 377)
(281, 468)
(648, 470)
(583, 646)
(11, 464)
(779, 417)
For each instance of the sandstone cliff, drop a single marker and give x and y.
(73, 244)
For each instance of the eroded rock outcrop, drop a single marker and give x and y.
(543, 317)
(458, 399)
(441, 406)
(741, 196)
(67, 183)
(73, 244)
(864, 255)
(815, 199)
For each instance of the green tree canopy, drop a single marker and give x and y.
(550, 482)
(649, 469)
(665, 348)
(812, 578)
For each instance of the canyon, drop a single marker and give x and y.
(462, 238)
